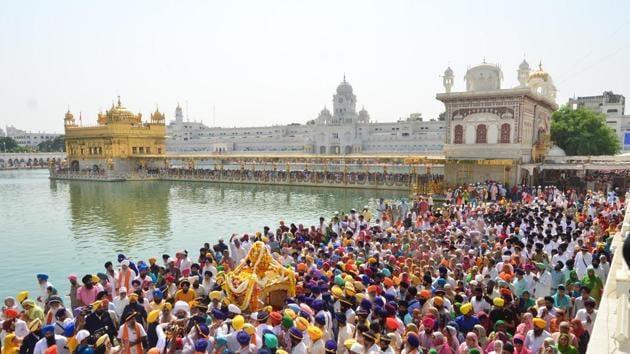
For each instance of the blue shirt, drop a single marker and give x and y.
(466, 324)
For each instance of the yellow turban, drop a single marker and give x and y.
(95, 279)
(301, 323)
(438, 300)
(350, 289)
(290, 313)
(21, 296)
(153, 316)
(498, 302)
(336, 291)
(466, 308)
(215, 295)
(540, 323)
(101, 340)
(34, 325)
(238, 322)
(280, 351)
(359, 297)
(349, 343)
(249, 329)
(314, 332)
(97, 304)
(168, 306)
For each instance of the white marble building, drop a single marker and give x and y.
(613, 107)
(488, 122)
(28, 139)
(342, 131)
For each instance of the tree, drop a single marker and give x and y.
(7, 144)
(55, 145)
(583, 132)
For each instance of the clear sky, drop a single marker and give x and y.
(276, 62)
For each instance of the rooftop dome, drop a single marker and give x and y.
(540, 73)
(69, 116)
(119, 113)
(524, 65)
(555, 151)
(344, 87)
(448, 71)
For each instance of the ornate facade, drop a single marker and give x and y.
(505, 127)
(340, 132)
(118, 142)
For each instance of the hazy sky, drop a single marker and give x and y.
(265, 62)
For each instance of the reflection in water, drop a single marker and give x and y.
(127, 214)
(68, 227)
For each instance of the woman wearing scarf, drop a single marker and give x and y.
(470, 343)
(526, 324)
(480, 331)
(450, 333)
(440, 344)
(564, 346)
(581, 334)
(11, 344)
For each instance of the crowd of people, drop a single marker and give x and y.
(482, 273)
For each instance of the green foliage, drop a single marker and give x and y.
(7, 144)
(55, 145)
(583, 132)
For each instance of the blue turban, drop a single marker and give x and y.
(201, 345)
(242, 337)
(365, 304)
(331, 346)
(413, 340)
(318, 304)
(51, 328)
(296, 333)
(217, 314)
(121, 257)
(68, 331)
(379, 302)
(158, 294)
(320, 319)
(386, 272)
(42, 276)
(221, 341)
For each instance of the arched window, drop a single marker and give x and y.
(458, 137)
(482, 134)
(505, 134)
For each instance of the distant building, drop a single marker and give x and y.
(120, 141)
(28, 139)
(496, 133)
(342, 131)
(613, 107)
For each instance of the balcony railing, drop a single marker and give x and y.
(611, 331)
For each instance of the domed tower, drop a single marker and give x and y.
(68, 120)
(523, 73)
(484, 77)
(448, 79)
(364, 116)
(344, 102)
(541, 82)
(157, 117)
(179, 116)
(324, 117)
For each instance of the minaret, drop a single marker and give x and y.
(179, 116)
(448, 79)
(523, 73)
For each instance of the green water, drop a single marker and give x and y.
(68, 227)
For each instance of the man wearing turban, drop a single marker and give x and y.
(536, 337)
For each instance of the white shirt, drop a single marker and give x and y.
(131, 335)
(300, 348)
(60, 341)
(583, 316)
(534, 343)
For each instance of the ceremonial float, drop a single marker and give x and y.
(258, 280)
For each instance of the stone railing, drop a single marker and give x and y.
(611, 331)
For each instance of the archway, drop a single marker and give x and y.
(74, 166)
(322, 149)
(347, 149)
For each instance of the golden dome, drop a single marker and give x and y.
(69, 116)
(540, 73)
(119, 113)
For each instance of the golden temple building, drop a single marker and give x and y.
(118, 142)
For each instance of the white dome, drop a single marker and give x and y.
(344, 88)
(484, 77)
(524, 65)
(556, 151)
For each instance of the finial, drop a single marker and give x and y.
(344, 77)
(119, 104)
(68, 108)
(540, 65)
(484, 60)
